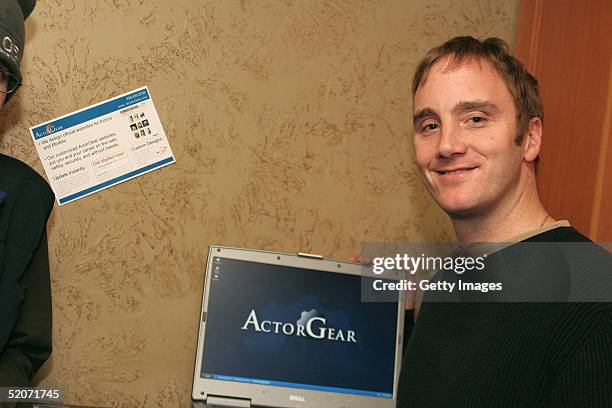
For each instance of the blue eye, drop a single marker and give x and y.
(430, 127)
(477, 120)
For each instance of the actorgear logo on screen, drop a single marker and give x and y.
(310, 325)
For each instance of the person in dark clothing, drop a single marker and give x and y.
(26, 201)
(478, 122)
(528, 354)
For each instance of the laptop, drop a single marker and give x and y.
(291, 330)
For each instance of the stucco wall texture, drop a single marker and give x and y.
(291, 125)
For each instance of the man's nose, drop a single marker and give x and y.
(451, 142)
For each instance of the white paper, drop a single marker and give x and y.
(102, 145)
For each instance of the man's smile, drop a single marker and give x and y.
(454, 173)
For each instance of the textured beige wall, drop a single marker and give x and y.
(290, 123)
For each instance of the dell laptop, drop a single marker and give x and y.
(284, 330)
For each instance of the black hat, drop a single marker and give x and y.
(12, 34)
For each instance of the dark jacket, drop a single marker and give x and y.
(26, 202)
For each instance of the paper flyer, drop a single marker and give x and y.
(102, 145)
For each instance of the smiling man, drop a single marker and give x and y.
(478, 122)
(476, 143)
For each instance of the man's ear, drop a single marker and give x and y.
(533, 142)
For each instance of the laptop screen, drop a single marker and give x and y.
(300, 328)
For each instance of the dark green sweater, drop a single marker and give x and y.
(512, 354)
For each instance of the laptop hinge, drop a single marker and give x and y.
(312, 256)
(213, 401)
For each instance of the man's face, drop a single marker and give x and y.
(465, 126)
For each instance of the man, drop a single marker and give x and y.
(478, 124)
(25, 205)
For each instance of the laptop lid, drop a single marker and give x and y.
(283, 330)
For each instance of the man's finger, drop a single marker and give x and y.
(364, 260)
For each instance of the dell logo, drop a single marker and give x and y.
(297, 398)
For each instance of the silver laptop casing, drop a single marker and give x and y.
(208, 392)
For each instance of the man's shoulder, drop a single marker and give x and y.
(559, 234)
(572, 242)
(569, 258)
(17, 178)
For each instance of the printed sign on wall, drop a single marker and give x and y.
(102, 145)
